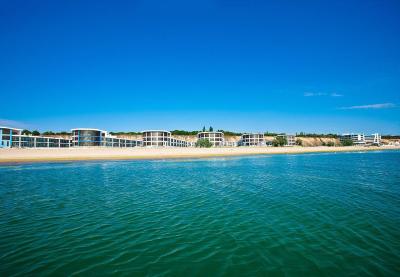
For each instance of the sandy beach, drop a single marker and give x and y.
(12, 155)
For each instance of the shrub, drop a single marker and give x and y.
(205, 143)
(26, 132)
(347, 142)
(330, 143)
(279, 141)
(299, 142)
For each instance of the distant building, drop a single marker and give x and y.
(6, 136)
(373, 139)
(216, 138)
(357, 139)
(252, 140)
(160, 138)
(230, 143)
(88, 137)
(361, 139)
(95, 137)
(290, 139)
(12, 137)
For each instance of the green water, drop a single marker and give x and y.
(308, 215)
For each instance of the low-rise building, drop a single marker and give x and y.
(290, 139)
(88, 137)
(358, 139)
(256, 139)
(13, 137)
(160, 138)
(373, 139)
(361, 139)
(96, 137)
(216, 138)
(7, 134)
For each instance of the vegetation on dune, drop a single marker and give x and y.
(125, 133)
(47, 133)
(390, 137)
(347, 142)
(184, 133)
(299, 142)
(204, 143)
(313, 135)
(228, 133)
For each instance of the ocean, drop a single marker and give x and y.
(333, 214)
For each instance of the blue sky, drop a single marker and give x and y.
(286, 66)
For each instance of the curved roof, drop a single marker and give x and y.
(217, 132)
(5, 127)
(86, 129)
(156, 131)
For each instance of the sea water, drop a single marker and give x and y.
(308, 214)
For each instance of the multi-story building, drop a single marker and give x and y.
(252, 140)
(161, 138)
(88, 137)
(374, 139)
(357, 139)
(6, 136)
(12, 137)
(96, 137)
(216, 138)
(290, 139)
(361, 139)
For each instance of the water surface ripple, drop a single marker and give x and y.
(312, 214)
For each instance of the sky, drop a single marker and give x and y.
(245, 66)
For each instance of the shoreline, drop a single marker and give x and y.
(30, 155)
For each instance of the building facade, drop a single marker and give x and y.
(290, 139)
(88, 137)
(161, 138)
(7, 134)
(97, 137)
(252, 140)
(216, 138)
(355, 138)
(12, 137)
(373, 139)
(361, 139)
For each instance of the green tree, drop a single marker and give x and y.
(48, 133)
(204, 143)
(347, 142)
(279, 141)
(35, 133)
(204, 128)
(330, 143)
(299, 142)
(211, 129)
(26, 132)
(183, 133)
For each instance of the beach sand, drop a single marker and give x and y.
(12, 155)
